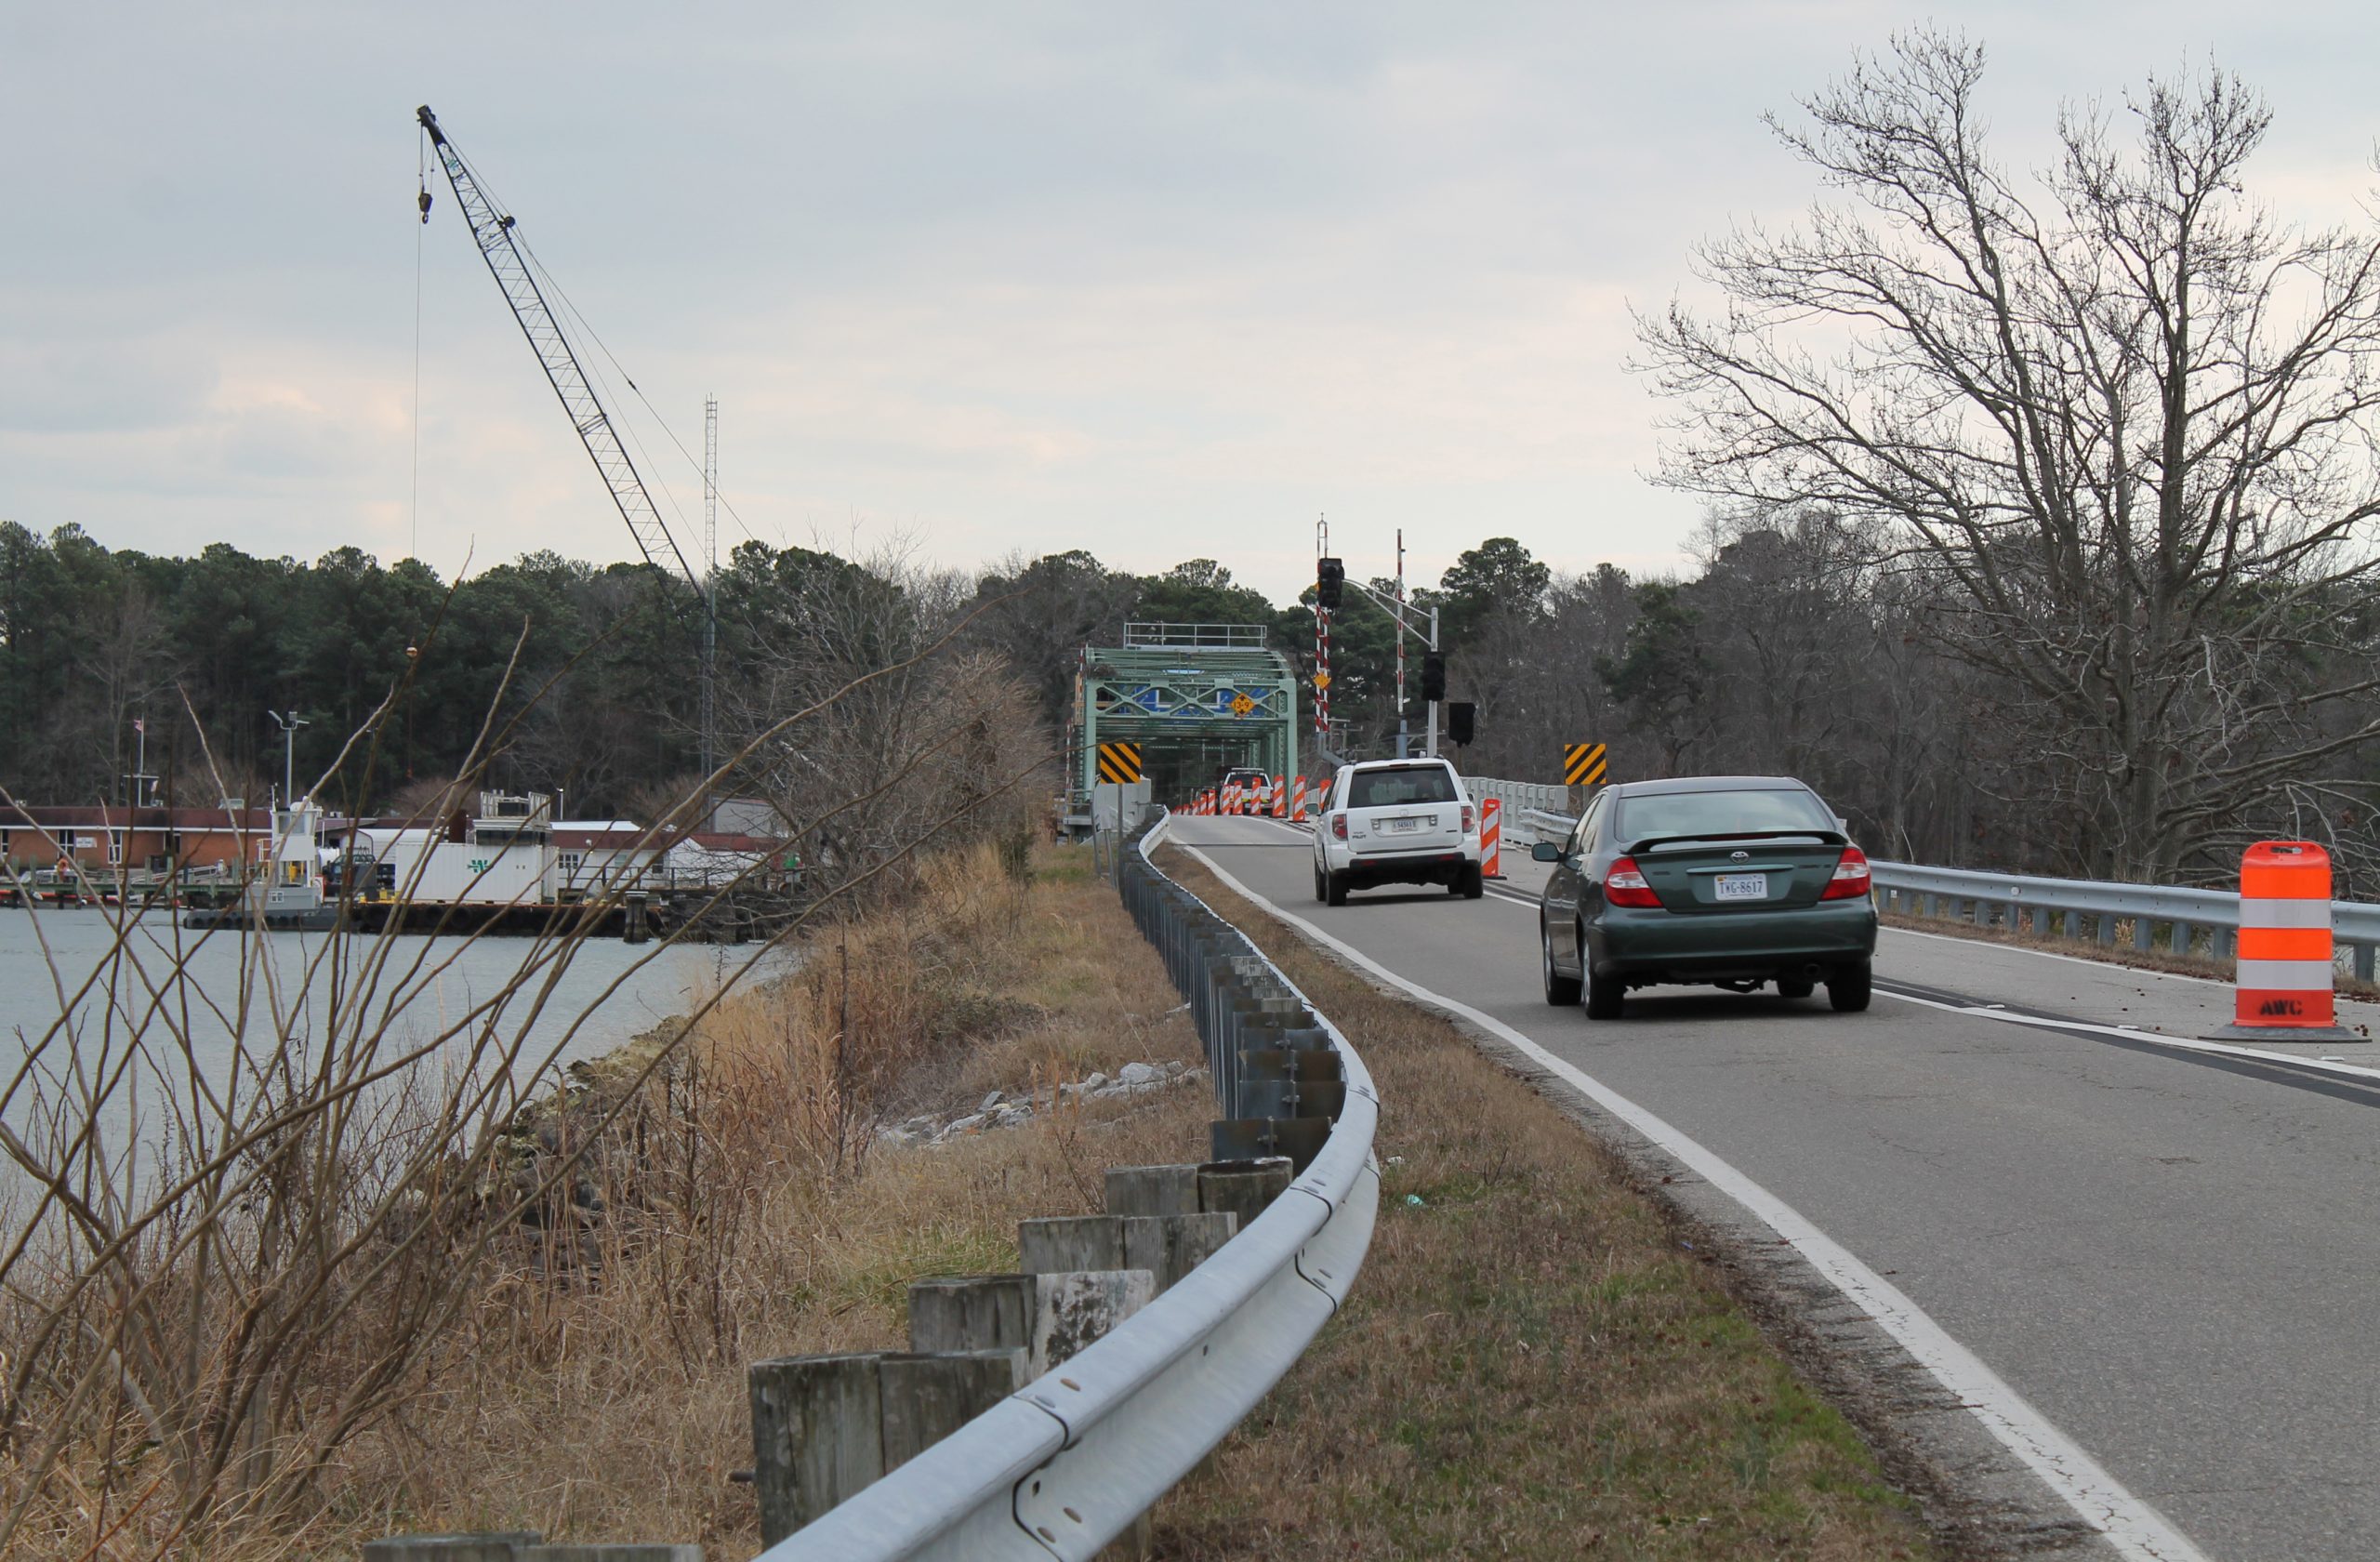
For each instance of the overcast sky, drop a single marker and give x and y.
(1154, 280)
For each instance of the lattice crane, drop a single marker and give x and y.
(492, 230)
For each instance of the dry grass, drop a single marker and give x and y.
(1532, 1363)
(595, 1390)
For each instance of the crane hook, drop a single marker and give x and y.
(424, 203)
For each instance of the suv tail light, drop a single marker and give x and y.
(1851, 880)
(1467, 818)
(1337, 827)
(1625, 884)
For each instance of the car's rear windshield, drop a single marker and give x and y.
(1391, 788)
(1719, 812)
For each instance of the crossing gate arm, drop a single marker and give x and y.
(1066, 1463)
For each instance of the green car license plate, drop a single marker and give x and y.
(1742, 886)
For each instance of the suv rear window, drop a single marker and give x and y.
(1719, 812)
(1392, 788)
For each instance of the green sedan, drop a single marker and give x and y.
(1732, 880)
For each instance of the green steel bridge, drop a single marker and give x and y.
(1198, 698)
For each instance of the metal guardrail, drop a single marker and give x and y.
(2052, 906)
(1066, 1463)
(2047, 907)
(1526, 805)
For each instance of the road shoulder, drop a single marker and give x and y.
(1974, 1499)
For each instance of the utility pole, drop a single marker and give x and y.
(1330, 570)
(1404, 740)
(1430, 747)
(289, 725)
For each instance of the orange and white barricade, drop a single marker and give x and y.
(1492, 838)
(1297, 797)
(1280, 797)
(2284, 977)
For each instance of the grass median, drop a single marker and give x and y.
(1535, 1361)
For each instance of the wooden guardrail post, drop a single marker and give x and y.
(1243, 1188)
(817, 1436)
(825, 1426)
(971, 1312)
(1170, 1246)
(1152, 1190)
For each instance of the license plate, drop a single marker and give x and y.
(1405, 827)
(1743, 886)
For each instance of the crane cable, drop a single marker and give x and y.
(588, 330)
(529, 258)
(421, 177)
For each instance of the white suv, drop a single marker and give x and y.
(1395, 822)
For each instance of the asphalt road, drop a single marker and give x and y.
(2173, 1256)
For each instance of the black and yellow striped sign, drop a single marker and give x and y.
(1582, 764)
(1120, 762)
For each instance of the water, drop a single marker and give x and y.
(242, 990)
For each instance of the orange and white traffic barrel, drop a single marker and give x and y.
(2285, 974)
(1492, 838)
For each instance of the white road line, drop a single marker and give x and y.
(2154, 1038)
(2051, 954)
(2134, 1529)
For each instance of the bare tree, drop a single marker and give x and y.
(2120, 432)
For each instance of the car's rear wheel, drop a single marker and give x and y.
(1607, 997)
(1850, 985)
(1467, 882)
(1334, 889)
(1321, 891)
(1560, 991)
(1795, 986)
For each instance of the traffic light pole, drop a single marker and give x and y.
(1431, 748)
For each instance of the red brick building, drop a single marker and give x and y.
(100, 839)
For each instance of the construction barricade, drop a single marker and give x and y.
(1297, 799)
(1492, 838)
(2285, 975)
(1280, 797)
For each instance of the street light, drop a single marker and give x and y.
(289, 725)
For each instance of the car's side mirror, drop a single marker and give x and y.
(1546, 850)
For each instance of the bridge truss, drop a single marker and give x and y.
(1199, 698)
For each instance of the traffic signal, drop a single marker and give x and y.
(1461, 722)
(1434, 676)
(1330, 577)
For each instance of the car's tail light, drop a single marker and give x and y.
(1626, 885)
(1851, 880)
(1337, 827)
(1466, 818)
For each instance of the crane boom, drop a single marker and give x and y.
(492, 230)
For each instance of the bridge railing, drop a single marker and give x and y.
(2150, 915)
(1068, 1461)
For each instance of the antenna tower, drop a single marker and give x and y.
(710, 584)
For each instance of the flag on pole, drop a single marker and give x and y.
(140, 726)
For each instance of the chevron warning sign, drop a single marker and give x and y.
(1582, 764)
(1120, 762)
